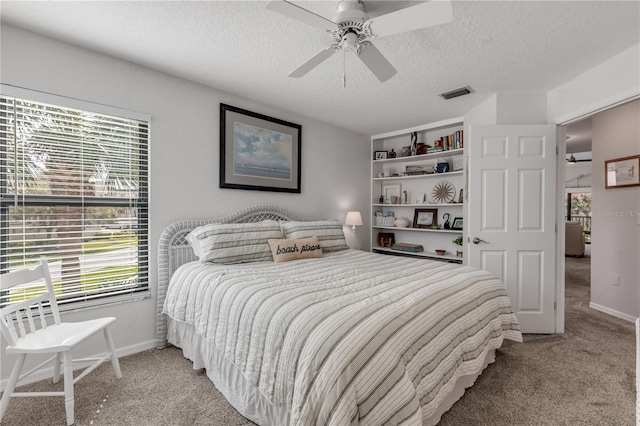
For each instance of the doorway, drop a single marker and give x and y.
(577, 214)
(613, 231)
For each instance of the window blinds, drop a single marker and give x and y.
(74, 188)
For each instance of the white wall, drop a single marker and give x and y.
(615, 226)
(184, 151)
(613, 81)
(578, 176)
(522, 108)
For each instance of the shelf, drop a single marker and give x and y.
(418, 205)
(427, 254)
(444, 231)
(429, 175)
(439, 154)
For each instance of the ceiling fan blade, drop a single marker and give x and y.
(377, 63)
(296, 12)
(434, 12)
(314, 61)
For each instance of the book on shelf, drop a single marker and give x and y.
(448, 142)
(413, 248)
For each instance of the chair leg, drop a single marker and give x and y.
(11, 385)
(112, 350)
(56, 369)
(69, 403)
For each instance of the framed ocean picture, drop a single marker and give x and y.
(258, 152)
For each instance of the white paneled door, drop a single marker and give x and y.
(512, 216)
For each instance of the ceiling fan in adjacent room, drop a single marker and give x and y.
(352, 30)
(572, 160)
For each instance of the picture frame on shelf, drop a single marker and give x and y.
(420, 197)
(391, 190)
(272, 164)
(425, 218)
(457, 224)
(622, 172)
(380, 155)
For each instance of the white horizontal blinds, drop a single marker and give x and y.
(74, 189)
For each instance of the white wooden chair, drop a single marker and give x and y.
(19, 324)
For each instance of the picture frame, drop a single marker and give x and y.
(622, 172)
(391, 190)
(420, 197)
(380, 155)
(425, 218)
(457, 224)
(258, 152)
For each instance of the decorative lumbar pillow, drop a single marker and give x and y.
(329, 233)
(234, 242)
(284, 250)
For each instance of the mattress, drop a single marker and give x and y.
(349, 338)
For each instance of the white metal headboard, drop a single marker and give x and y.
(174, 250)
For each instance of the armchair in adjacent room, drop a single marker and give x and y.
(574, 239)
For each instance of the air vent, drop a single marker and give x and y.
(457, 92)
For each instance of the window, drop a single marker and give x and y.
(578, 208)
(74, 188)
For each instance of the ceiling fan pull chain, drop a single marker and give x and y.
(344, 69)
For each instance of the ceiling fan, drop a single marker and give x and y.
(352, 30)
(572, 160)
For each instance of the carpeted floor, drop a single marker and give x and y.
(585, 376)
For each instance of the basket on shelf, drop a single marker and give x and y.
(384, 220)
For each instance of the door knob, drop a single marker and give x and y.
(477, 240)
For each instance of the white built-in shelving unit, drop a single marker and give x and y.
(398, 176)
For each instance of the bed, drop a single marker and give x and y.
(341, 337)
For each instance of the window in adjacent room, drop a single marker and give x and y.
(74, 189)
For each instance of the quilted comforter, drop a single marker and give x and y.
(350, 338)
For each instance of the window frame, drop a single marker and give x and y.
(141, 203)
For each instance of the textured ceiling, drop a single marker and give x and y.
(242, 48)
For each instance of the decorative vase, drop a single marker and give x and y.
(401, 222)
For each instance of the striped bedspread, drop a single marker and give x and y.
(350, 338)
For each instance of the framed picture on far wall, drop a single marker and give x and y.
(622, 172)
(258, 152)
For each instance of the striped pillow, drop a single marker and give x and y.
(329, 233)
(234, 242)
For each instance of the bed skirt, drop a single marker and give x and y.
(247, 399)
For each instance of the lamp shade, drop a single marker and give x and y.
(353, 218)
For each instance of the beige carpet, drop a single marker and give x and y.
(585, 376)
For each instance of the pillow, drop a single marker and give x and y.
(234, 242)
(194, 242)
(288, 249)
(329, 233)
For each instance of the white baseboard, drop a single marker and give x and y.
(612, 312)
(47, 373)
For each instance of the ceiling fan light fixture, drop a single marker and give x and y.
(466, 90)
